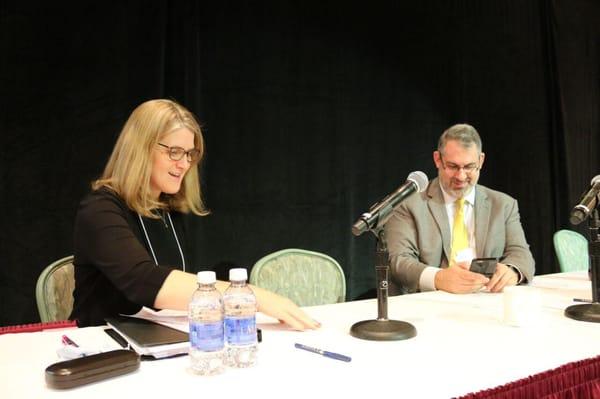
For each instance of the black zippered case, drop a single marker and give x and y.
(84, 370)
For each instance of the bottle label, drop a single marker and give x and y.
(240, 331)
(206, 336)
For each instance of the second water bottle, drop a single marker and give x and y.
(240, 321)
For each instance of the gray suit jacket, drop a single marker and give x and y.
(418, 235)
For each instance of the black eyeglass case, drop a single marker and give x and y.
(88, 369)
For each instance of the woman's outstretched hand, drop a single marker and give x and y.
(283, 309)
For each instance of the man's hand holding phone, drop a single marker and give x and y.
(459, 279)
(485, 266)
(500, 275)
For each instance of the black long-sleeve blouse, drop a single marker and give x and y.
(115, 271)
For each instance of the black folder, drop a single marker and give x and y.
(146, 333)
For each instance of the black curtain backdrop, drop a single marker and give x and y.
(312, 111)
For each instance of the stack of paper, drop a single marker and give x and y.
(177, 319)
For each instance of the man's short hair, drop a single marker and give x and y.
(465, 134)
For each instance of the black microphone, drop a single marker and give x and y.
(381, 211)
(587, 204)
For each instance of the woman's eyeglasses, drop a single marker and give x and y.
(176, 153)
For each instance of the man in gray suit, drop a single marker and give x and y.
(420, 232)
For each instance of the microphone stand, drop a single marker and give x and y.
(590, 311)
(382, 329)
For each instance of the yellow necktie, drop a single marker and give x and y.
(460, 238)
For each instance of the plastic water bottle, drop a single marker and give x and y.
(240, 321)
(206, 327)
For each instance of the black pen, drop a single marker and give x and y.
(331, 355)
(582, 300)
(117, 337)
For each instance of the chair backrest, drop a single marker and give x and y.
(54, 290)
(571, 250)
(306, 277)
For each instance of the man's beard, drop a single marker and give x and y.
(461, 192)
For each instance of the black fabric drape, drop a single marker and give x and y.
(312, 111)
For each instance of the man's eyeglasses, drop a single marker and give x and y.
(176, 153)
(454, 168)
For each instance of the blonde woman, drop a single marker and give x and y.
(130, 231)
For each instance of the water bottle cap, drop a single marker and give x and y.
(206, 277)
(240, 274)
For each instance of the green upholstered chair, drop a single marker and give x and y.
(308, 278)
(571, 250)
(54, 290)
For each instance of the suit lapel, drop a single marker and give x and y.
(482, 219)
(438, 211)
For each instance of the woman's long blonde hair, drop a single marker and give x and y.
(130, 165)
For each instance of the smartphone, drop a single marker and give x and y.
(485, 266)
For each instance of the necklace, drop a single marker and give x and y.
(162, 217)
(174, 234)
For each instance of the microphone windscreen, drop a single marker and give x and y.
(577, 216)
(420, 179)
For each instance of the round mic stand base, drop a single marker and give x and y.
(383, 330)
(584, 312)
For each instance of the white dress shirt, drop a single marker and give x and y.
(427, 279)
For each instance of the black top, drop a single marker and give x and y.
(115, 272)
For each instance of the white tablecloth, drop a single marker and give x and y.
(461, 346)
